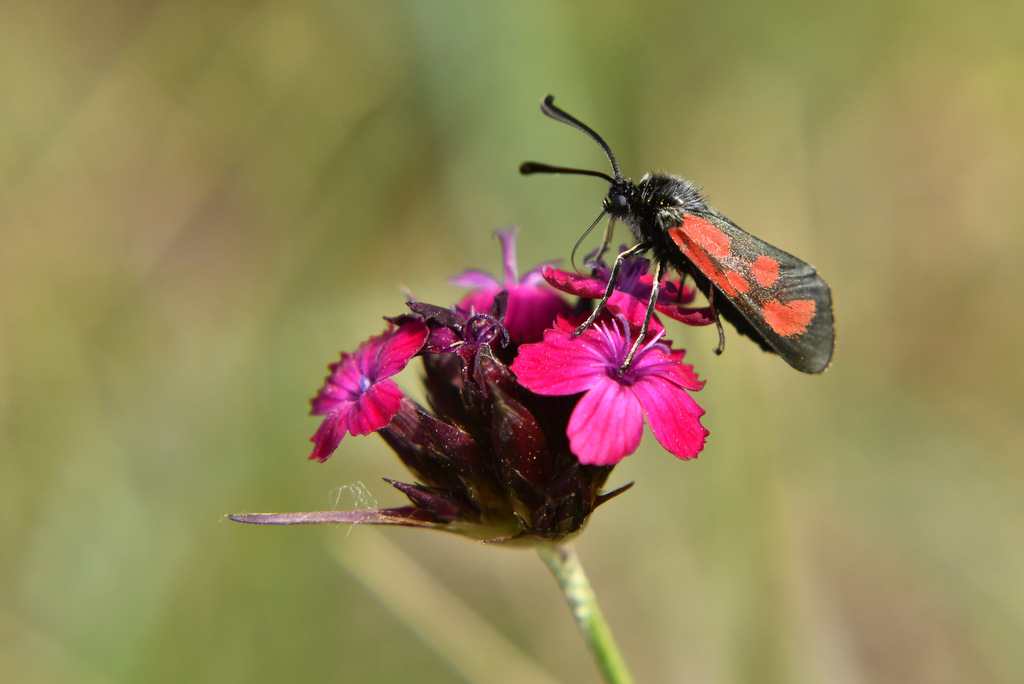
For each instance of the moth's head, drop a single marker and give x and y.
(621, 195)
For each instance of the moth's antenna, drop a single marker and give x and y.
(572, 258)
(549, 108)
(526, 168)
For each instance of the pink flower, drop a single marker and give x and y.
(532, 305)
(607, 422)
(358, 396)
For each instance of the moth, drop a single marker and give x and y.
(768, 295)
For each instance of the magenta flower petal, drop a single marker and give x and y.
(531, 309)
(507, 238)
(682, 373)
(688, 315)
(394, 353)
(341, 387)
(559, 365)
(478, 301)
(374, 408)
(328, 436)
(607, 424)
(476, 280)
(656, 363)
(635, 311)
(574, 283)
(676, 426)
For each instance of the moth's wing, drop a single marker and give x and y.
(771, 296)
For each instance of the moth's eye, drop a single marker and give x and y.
(618, 200)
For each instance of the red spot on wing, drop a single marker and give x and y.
(702, 241)
(737, 281)
(709, 236)
(765, 270)
(791, 318)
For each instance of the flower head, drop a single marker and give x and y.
(607, 423)
(523, 420)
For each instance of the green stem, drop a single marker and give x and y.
(565, 566)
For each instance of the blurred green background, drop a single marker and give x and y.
(202, 203)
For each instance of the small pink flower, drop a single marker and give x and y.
(358, 396)
(607, 422)
(532, 305)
